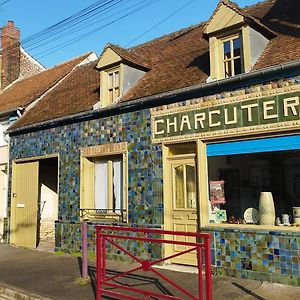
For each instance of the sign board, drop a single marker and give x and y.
(223, 118)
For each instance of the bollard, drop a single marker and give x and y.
(84, 251)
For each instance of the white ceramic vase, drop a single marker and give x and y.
(266, 209)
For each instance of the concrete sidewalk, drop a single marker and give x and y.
(52, 276)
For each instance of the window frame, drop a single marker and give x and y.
(230, 39)
(105, 87)
(113, 87)
(87, 184)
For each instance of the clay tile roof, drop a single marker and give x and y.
(76, 93)
(182, 58)
(24, 92)
(130, 56)
(177, 60)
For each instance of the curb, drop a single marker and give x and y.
(18, 294)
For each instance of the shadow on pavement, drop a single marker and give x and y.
(129, 280)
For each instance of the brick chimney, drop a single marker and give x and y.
(10, 64)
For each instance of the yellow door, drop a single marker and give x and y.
(24, 204)
(183, 215)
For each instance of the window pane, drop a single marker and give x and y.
(117, 94)
(237, 66)
(227, 53)
(191, 186)
(116, 82)
(117, 184)
(227, 68)
(110, 80)
(236, 47)
(179, 187)
(101, 187)
(110, 96)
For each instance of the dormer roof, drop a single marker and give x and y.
(228, 14)
(113, 54)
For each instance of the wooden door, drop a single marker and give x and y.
(24, 204)
(183, 204)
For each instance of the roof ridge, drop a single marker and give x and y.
(257, 4)
(74, 58)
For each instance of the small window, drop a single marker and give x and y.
(103, 188)
(232, 59)
(113, 86)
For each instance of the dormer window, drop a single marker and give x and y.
(232, 57)
(236, 41)
(120, 70)
(113, 85)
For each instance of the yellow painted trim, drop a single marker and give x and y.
(246, 49)
(87, 181)
(110, 183)
(33, 158)
(167, 197)
(104, 83)
(202, 183)
(224, 17)
(107, 58)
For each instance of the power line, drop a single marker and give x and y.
(74, 40)
(3, 2)
(160, 22)
(75, 27)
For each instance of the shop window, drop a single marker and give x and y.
(245, 176)
(103, 188)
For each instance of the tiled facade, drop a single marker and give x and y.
(256, 254)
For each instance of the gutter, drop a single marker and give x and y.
(200, 90)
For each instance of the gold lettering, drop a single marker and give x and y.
(234, 121)
(199, 118)
(156, 122)
(185, 120)
(210, 118)
(291, 103)
(169, 124)
(249, 110)
(267, 106)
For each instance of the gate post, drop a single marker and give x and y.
(84, 251)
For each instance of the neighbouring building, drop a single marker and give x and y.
(183, 132)
(15, 64)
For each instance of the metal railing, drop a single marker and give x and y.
(110, 286)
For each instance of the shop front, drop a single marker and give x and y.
(234, 168)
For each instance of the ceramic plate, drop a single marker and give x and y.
(251, 215)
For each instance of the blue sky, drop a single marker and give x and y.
(32, 16)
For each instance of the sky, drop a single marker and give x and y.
(154, 19)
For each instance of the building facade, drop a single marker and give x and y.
(188, 150)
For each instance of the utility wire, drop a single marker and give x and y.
(3, 2)
(74, 40)
(157, 24)
(76, 27)
(68, 22)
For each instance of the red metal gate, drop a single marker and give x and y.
(106, 284)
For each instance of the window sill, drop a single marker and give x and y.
(251, 227)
